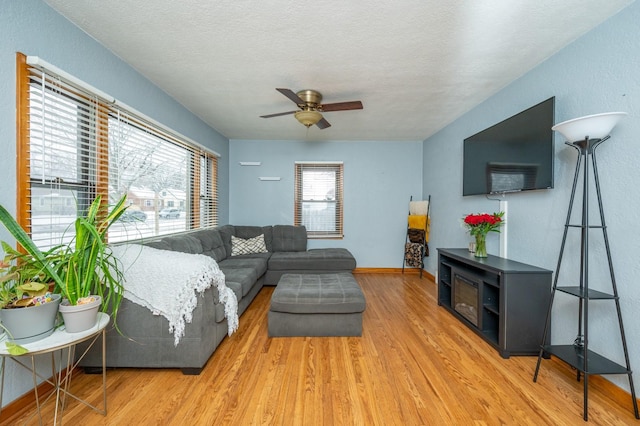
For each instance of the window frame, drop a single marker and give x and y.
(199, 185)
(336, 167)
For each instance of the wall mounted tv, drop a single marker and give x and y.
(512, 156)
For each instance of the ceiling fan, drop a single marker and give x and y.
(310, 107)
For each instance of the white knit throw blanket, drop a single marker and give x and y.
(166, 282)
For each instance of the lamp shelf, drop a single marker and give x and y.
(585, 293)
(574, 356)
(589, 227)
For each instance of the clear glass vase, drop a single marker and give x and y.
(481, 245)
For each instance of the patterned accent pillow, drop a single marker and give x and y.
(251, 245)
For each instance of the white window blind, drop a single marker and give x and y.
(319, 199)
(81, 145)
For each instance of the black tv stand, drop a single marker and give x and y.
(512, 298)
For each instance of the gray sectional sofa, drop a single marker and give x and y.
(147, 341)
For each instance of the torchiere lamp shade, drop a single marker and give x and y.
(597, 126)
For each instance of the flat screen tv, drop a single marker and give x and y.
(512, 156)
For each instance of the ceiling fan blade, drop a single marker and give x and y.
(291, 95)
(340, 106)
(278, 114)
(323, 123)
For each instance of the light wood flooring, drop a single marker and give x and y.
(414, 365)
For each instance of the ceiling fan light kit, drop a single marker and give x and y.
(308, 101)
(308, 118)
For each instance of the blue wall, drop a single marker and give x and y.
(379, 179)
(597, 73)
(31, 27)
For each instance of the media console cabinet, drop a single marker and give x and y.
(505, 302)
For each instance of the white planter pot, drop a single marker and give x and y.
(33, 323)
(79, 318)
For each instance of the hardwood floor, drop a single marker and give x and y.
(414, 365)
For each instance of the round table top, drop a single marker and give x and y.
(59, 339)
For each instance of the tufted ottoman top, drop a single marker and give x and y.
(318, 293)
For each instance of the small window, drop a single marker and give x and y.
(318, 198)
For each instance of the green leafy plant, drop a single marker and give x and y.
(22, 284)
(86, 265)
(8, 287)
(22, 278)
(38, 258)
(12, 294)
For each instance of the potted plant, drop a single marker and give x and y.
(28, 309)
(91, 277)
(85, 267)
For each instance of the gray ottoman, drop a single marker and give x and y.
(316, 305)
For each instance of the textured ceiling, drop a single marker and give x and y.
(416, 65)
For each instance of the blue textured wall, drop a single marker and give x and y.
(597, 73)
(379, 178)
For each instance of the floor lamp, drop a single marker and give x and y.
(585, 134)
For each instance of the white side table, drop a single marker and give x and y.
(60, 377)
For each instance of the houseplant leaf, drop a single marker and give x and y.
(15, 349)
(25, 241)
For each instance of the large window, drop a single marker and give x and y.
(74, 145)
(318, 198)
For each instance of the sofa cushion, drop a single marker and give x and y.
(226, 232)
(245, 232)
(211, 242)
(331, 259)
(184, 244)
(235, 286)
(158, 244)
(241, 246)
(256, 261)
(289, 238)
(246, 277)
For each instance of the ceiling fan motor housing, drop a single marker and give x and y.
(311, 98)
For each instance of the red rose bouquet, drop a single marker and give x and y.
(479, 225)
(483, 223)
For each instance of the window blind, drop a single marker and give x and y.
(77, 144)
(319, 198)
